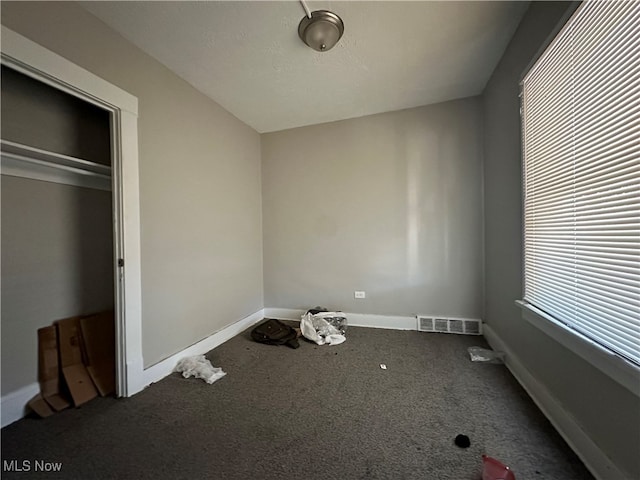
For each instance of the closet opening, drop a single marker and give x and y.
(38, 63)
(60, 266)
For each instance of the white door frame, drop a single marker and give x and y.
(31, 59)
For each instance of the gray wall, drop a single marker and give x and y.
(390, 204)
(200, 198)
(41, 116)
(606, 411)
(57, 262)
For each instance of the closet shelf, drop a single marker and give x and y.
(29, 162)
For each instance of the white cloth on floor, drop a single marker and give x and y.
(198, 366)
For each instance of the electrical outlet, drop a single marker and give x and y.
(359, 294)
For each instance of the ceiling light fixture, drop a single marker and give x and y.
(321, 29)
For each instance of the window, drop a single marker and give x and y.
(581, 149)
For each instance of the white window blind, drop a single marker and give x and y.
(581, 147)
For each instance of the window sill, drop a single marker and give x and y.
(617, 368)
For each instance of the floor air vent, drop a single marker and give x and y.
(425, 324)
(461, 326)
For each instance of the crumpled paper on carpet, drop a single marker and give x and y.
(198, 366)
(317, 329)
(479, 354)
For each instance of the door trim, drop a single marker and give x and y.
(35, 61)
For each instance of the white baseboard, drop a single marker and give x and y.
(283, 313)
(391, 322)
(591, 455)
(165, 367)
(14, 405)
(354, 319)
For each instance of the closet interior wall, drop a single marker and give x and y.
(56, 239)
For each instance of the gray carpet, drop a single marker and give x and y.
(311, 413)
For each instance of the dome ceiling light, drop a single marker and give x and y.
(321, 29)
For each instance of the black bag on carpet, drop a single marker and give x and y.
(274, 332)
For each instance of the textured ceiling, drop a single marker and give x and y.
(247, 55)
